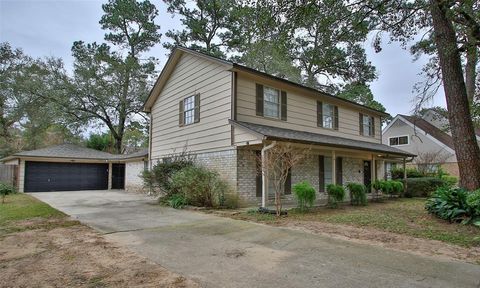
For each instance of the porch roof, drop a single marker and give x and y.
(276, 133)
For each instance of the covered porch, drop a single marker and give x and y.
(328, 160)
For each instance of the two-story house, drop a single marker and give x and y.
(224, 112)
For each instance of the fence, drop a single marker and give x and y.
(9, 174)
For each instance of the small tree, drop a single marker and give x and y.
(5, 190)
(279, 161)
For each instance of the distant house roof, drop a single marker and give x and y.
(75, 152)
(239, 67)
(276, 133)
(430, 129)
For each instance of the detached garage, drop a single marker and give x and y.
(69, 167)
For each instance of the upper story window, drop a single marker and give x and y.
(189, 110)
(327, 115)
(399, 140)
(367, 125)
(271, 102)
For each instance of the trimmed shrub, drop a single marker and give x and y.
(450, 181)
(397, 173)
(423, 187)
(358, 195)
(455, 205)
(336, 194)
(305, 195)
(200, 187)
(6, 189)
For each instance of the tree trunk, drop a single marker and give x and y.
(466, 147)
(471, 70)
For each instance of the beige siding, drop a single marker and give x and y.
(419, 142)
(12, 162)
(242, 137)
(213, 82)
(301, 111)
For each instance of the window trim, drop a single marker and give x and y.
(399, 145)
(279, 104)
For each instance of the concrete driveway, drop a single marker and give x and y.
(220, 252)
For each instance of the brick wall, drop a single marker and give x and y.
(246, 175)
(224, 162)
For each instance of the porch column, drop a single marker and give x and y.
(404, 176)
(374, 168)
(334, 168)
(110, 176)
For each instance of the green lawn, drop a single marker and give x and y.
(402, 216)
(20, 206)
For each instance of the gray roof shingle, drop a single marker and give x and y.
(76, 152)
(314, 138)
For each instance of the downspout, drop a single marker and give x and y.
(264, 172)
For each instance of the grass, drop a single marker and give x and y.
(402, 216)
(20, 207)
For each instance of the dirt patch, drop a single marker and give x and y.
(66, 254)
(389, 240)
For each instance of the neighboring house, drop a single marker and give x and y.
(68, 167)
(425, 136)
(224, 113)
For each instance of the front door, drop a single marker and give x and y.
(118, 176)
(367, 173)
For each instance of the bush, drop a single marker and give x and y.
(230, 200)
(397, 187)
(176, 201)
(473, 202)
(6, 189)
(450, 181)
(358, 195)
(200, 187)
(305, 195)
(423, 187)
(336, 194)
(159, 179)
(397, 173)
(455, 205)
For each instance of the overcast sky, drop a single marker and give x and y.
(49, 27)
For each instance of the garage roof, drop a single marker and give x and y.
(75, 152)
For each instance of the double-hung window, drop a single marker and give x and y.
(327, 115)
(367, 125)
(189, 110)
(271, 102)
